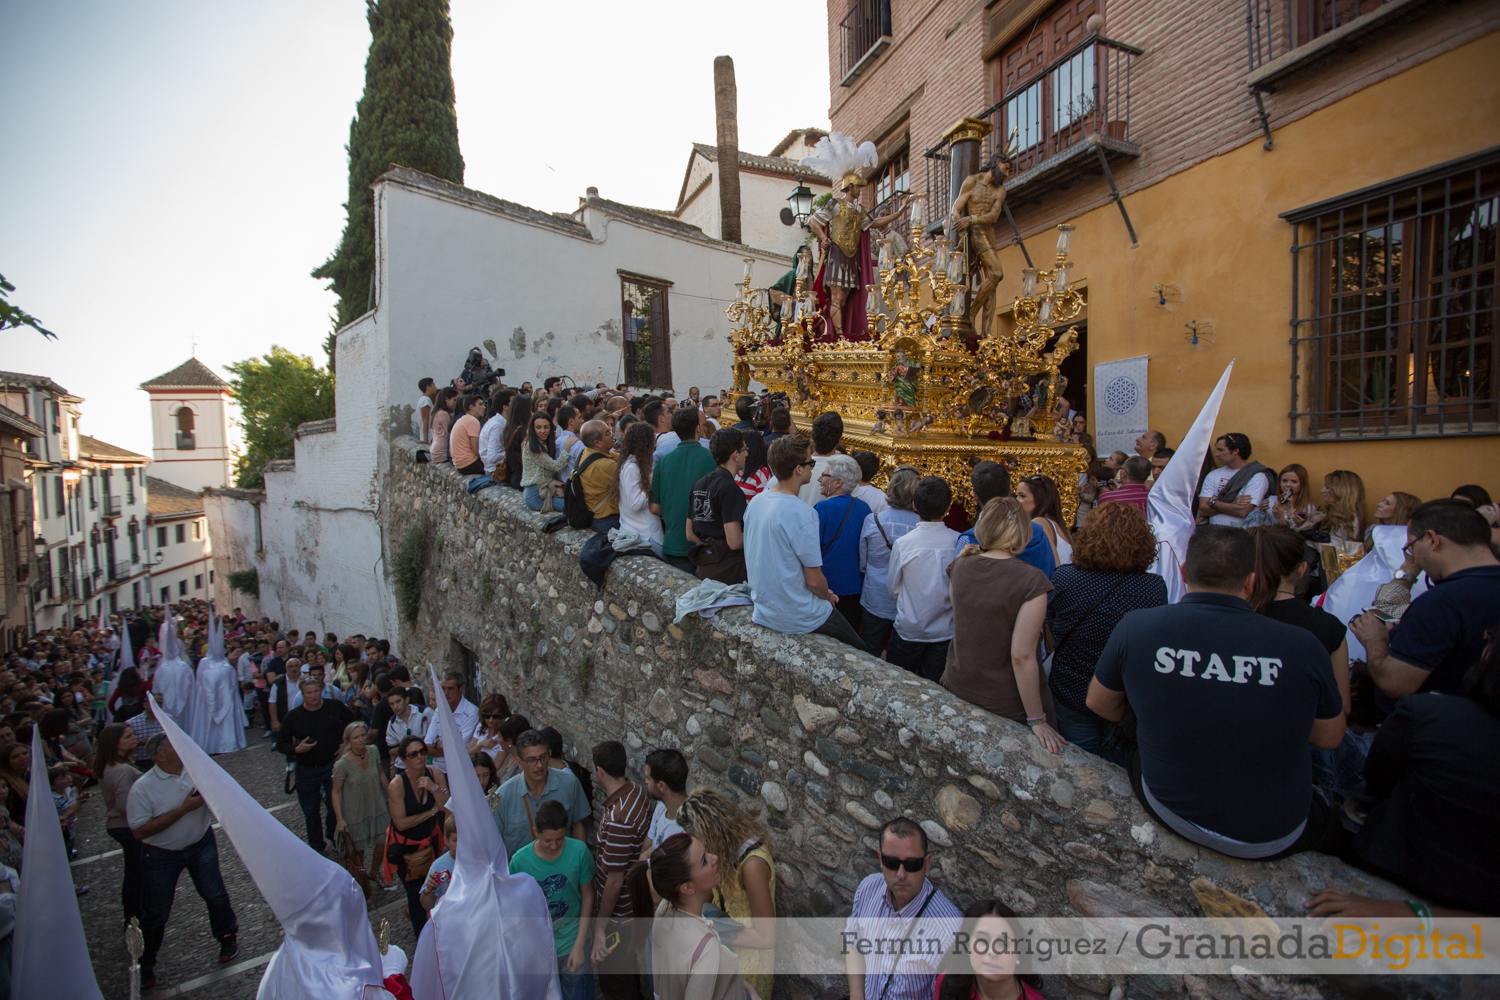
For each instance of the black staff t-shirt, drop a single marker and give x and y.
(716, 500)
(1225, 700)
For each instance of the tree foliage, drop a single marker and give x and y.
(15, 316)
(405, 117)
(275, 394)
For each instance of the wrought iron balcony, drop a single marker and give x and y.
(120, 569)
(112, 506)
(1070, 119)
(1285, 37)
(864, 33)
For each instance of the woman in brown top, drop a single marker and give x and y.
(116, 773)
(999, 605)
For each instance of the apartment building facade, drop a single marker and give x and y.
(87, 509)
(1310, 189)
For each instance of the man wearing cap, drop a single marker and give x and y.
(168, 817)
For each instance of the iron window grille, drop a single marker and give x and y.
(864, 33)
(1394, 307)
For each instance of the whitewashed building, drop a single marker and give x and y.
(542, 293)
(89, 509)
(765, 184)
(192, 426)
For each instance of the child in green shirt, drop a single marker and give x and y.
(564, 869)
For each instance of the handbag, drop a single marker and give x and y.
(717, 561)
(352, 861)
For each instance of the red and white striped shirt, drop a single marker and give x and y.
(622, 829)
(753, 484)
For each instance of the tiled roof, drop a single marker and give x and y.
(33, 382)
(436, 185)
(100, 451)
(812, 134)
(779, 165)
(167, 498)
(191, 374)
(18, 423)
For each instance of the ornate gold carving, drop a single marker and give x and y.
(968, 129)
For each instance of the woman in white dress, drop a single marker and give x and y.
(632, 486)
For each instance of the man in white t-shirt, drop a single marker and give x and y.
(827, 432)
(421, 414)
(1232, 452)
(666, 781)
(465, 714)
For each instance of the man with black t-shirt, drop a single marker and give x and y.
(716, 512)
(1226, 702)
(311, 735)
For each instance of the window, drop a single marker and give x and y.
(41, 496)
(864, 33)
(134, 531)
(135, 594)
(198, 581)
(114, 600)
(166, 594)
(210, 578)
(130, 485)
(56, 417)
(647, 344)
(185, 439)
(892, 179)
(198, 531)
(181, 533)
(1394, 307)
(161, 537)
(260, 545)
(62, 503)
(182, 588)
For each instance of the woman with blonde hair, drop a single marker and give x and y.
(999, 604)
(359, 802)
(1292, 504)
(1342, 513)
(747, 892)
(1396, 508)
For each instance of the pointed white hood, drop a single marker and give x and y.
(490, 936)
(1171, 506)
(51, 956)
(329, 952)
(127, 659)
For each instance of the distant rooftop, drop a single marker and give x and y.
(19, 424)
(100, 451)
(33, 382)
(167, 498)
(191, 374)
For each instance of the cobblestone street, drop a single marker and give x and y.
(188, 964)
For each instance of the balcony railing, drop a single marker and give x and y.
(186, 441)
(120, 569)
(1285, 36)
(1068, 119)
(112, 506)
(865, 32)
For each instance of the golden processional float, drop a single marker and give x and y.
(923, 389)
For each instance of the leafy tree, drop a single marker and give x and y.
(275, 394)
(405, 117)
(15, 316)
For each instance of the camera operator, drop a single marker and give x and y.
(477, 377)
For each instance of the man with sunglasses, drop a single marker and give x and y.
(1442, 632)
(898, 904)
(538, 782)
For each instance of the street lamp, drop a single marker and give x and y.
(799, 206)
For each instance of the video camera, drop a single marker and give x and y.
(478, 375)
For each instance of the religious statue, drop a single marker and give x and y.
(977, 208)
(842, 226)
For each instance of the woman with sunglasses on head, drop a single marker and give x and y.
(493, 710)
(414, 839)
(688, 961)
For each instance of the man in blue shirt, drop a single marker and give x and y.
(990, 480)
(1443, 631)
(841, 518)
(783, 559)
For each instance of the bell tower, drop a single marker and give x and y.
(191, 425)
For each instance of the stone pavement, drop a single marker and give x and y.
(188, 965)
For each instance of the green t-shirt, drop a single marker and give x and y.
(672, 486)
(562, 883)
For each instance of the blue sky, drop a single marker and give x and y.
(172, 171)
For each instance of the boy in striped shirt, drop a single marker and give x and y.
(622, 828)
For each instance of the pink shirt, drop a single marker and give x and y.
(463, 441)
(440, 421)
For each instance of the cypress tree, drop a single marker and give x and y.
(406, 117)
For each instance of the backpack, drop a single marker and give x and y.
(578, 513)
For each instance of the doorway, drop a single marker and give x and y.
(646, 339)
(464, 660)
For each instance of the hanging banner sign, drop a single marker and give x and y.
(1119, 405)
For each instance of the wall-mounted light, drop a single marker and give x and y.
(799, 206)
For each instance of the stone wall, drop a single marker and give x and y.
(821, 743)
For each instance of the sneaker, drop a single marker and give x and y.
(229, 946)
(80, 890)
(266, 735)
(148, 980)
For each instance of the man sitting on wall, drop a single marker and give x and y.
(1226, 702)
